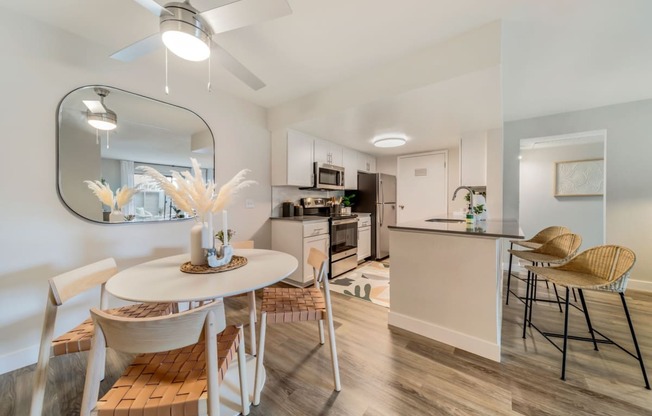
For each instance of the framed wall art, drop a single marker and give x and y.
(579, 178)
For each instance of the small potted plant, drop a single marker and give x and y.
(347, 202)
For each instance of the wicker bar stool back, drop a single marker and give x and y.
(285, 305)
(61, 289)
(539, 238)
(181, 363)
(604, 268)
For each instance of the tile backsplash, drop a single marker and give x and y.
(293, 194)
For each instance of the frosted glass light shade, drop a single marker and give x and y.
(390, 142)
(186, 45)
(103, 121)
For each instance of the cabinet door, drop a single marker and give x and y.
(321, 243)
(350, 163)
(364, 243)
(327, 152)
(299, 159)
(366, 163)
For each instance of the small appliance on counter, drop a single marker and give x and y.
(343, 233)
(287, 209)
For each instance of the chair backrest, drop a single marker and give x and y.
(74, 282)
(169, 332)
(243, 244)
(563, 246)
(318, 261)
(611, 263)
(548, 234)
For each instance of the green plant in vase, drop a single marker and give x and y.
(347, 200)
(220, 235)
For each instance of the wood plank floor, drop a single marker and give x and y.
(392, 372)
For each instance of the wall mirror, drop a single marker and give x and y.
(147, 132)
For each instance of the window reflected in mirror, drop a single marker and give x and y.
(106, 134)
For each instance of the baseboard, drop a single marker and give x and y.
(642, 285)
(18, 359)
(459, 340)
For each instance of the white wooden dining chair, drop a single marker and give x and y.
(61, 289)
(285, 305)
(251, 299)
(181, 363)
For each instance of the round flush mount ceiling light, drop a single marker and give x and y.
(184, 33)
(103, 121)
(389, 141)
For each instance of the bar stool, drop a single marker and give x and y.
(539, 238)
(604, 268)
(556, 251)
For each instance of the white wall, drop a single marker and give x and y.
(539, 208)
(40, 237)
(628, 167)
(386, 164)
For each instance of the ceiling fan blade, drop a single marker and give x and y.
(245, 13)
(153, 7)
(211, 4)
(138, 49)
(235, 67)
(94, 106)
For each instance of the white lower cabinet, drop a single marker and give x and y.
(297, 238)
(364, 237)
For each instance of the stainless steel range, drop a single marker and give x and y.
(343, 234)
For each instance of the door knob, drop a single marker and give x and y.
(401, 206)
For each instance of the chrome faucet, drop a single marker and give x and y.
(470, 194)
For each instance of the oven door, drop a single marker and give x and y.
(344, 238)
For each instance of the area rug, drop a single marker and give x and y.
(370, 282)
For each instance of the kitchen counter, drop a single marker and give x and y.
(488, 228)
(304, 218)
(447, 282)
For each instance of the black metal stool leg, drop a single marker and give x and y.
(588, 320)
(509, 273)
(535, 279)
(563, 362)
(554, 286)
(527, 296)
(574, 295)
(638, 350)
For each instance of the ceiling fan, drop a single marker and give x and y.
(186, 33)
(98, 115)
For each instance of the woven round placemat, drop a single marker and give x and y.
(236, 262)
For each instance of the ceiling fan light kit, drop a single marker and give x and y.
(390, 141)
(98, 115)
(185, 33)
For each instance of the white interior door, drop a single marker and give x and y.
(422, 186)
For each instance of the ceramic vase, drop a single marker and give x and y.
(197, 256)
(116, 216)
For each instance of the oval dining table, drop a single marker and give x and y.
(162, 280)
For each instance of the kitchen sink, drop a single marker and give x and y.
(452, 220)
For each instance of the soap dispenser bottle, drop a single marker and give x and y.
(470, 218)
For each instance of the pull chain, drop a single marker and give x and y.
(167, 90)
(107, 139)
(209, 73)
(97, 136)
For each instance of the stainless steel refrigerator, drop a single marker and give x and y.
(377, 195)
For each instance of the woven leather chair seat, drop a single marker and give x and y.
(169, 382)
(293, 304)
(79, 338)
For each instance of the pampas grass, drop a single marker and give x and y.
(194, 195)
(105, 194)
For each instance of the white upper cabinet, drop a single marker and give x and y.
(292, 159)
(350, 163)
(327, 152)
(473, 159)
(366, 163)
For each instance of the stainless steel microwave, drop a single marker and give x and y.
(329, 176)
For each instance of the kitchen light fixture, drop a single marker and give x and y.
(389, 141)
(98, 115)
(184, 32)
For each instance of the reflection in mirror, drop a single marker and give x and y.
(148, 133)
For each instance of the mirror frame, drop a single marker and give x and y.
(58, 155)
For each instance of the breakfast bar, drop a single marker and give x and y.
(447, 281)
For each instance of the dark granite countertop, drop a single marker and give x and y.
(488, 228)
(304, 218)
